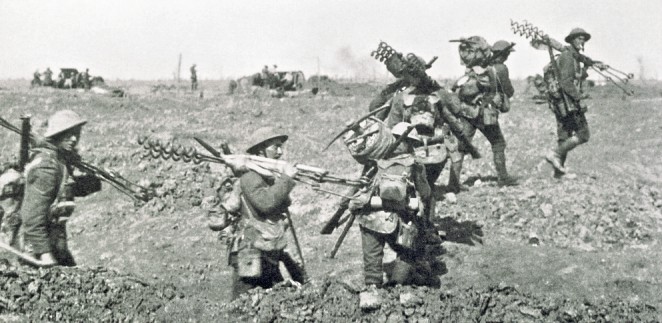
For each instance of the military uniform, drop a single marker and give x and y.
(48, 203)
(572, 126)
(395, 222)
(483, 95)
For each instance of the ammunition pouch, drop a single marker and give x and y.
(249, 263)
(490, 115)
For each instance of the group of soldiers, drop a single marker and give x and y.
(74, 79)
(422, 124)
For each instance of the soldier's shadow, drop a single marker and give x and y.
(466, 232)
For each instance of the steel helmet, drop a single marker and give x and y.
(62, 121)
(262, 136)
(10, 178)
(474, 51)
(401, 127)
(577, 32)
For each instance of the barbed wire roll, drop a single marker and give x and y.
(372, 142)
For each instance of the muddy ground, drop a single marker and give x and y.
(577, 249)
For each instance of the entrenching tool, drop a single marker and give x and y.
(133, 190)
(540, 40)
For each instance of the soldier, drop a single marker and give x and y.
(390, 212)
(194, 78)
(86, 79)
(48, 77)
(50, 189)
(260, 245)
(481, 101)
(572, 129)
(36, 79)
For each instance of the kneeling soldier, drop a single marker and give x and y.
(260, 243)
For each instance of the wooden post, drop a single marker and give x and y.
(179, 69)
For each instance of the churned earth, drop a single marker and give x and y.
(581, 249)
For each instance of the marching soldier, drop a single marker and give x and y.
(572, 129)
(36, 79)
(50, 188)
(390, 212)
(481, 101)
(260, 243)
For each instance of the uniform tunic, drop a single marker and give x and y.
(49, 182)
(263, 227)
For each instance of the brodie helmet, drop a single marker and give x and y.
(62, 121)
(262, 136)
(577, 32)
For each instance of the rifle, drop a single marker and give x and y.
(539, 40)
(134, 191)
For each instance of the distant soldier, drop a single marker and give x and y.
(60, 80)
(264, 74)
(86, 79)
(572, 129)
(482, 98)
(36, 79)
(50, 188)
(391, 212)
(194, 78)
(260, 246)
(48, 77)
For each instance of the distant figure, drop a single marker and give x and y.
(273, 79)
(36, 79)
(194, 78)
(85, 78)
(265, 72)
(48, 77)
(60, 80)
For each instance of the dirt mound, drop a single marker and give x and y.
(334, 301)
(78, 294)
(587, 213)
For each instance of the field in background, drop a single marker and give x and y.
(598, 234)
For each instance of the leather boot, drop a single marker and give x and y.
(500, 164)
(454, 183)
(557, 157)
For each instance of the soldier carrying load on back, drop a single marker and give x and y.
(390, 211)
(482, 100)
(50, 188)
(572, 127)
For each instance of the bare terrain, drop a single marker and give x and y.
(581, 249)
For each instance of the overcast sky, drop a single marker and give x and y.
(134, 39)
